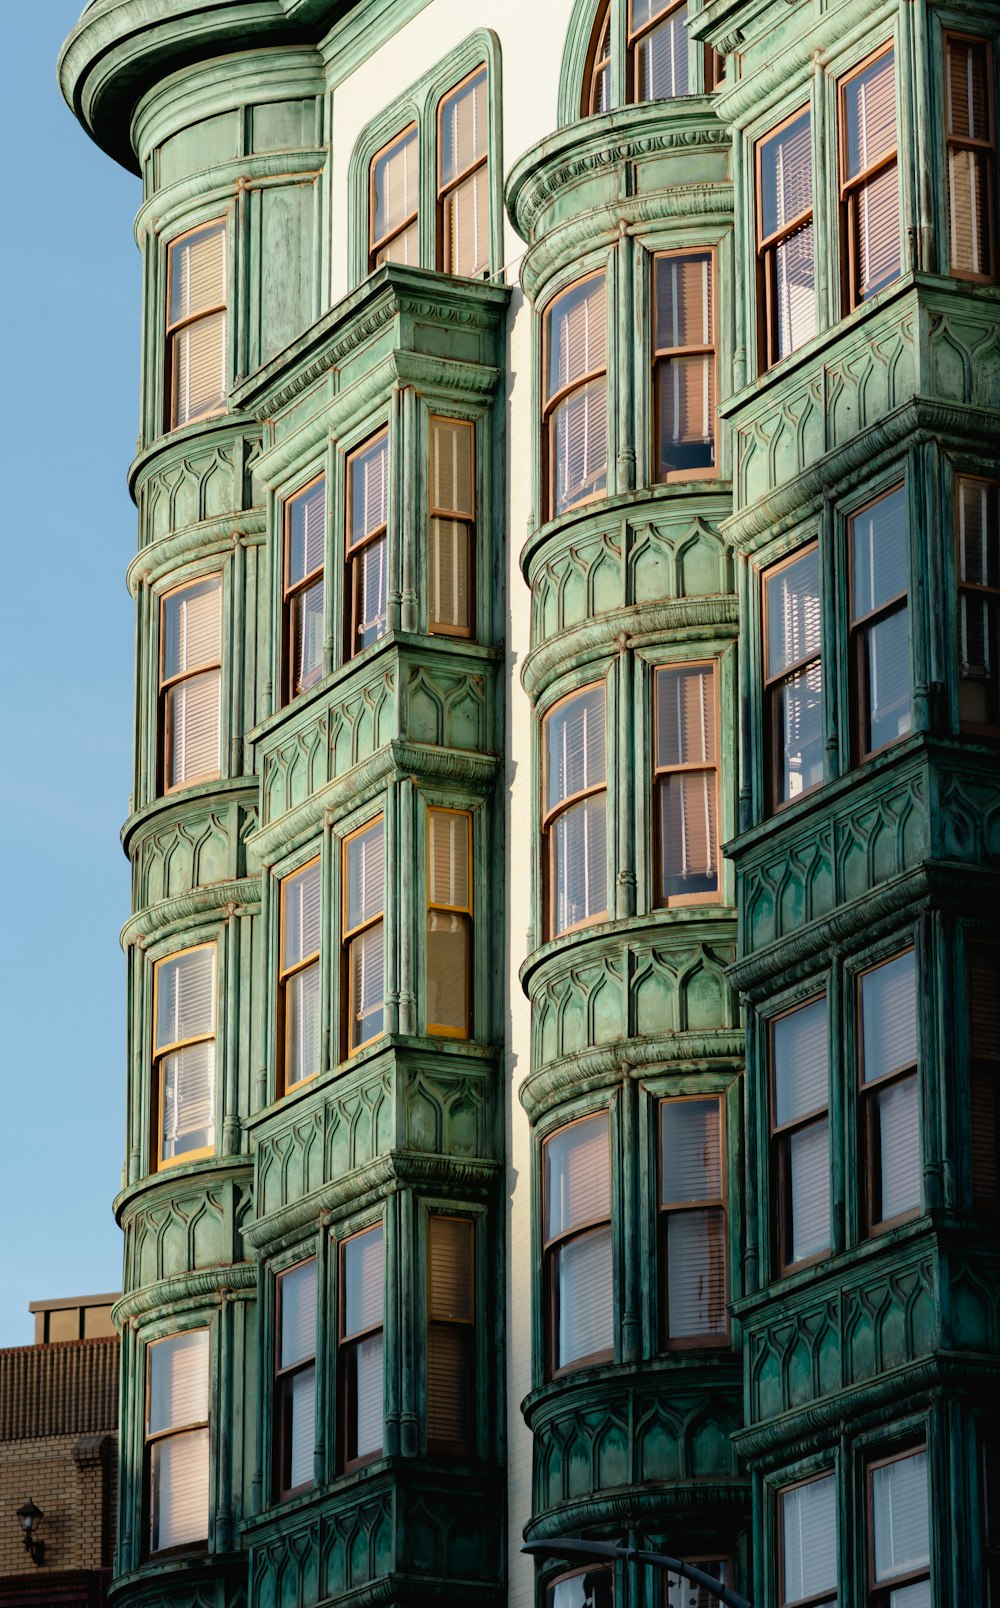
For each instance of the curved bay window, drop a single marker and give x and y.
(361, 1346)
(880, 634)
(786, 282)
(298, 977)
(364, 934)
(463, 179)
(574, 818)
(305, 523)
(576, 1188)
(692, 1222)
(660, 61)
(687, 784)
(684, 365)
(869, 180)
(177, 1452)
(367, 588)
(295, 1380)
(184, 1056)
(793, 678)
(575, 414)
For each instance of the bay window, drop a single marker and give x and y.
(361, 1348)
(394, 202)
(687, 784)
(971, 156)
(451, 527)
(800, 1133)
(983, 1011)
(184, 1056)
(449, 921)
(684, 365)
(793, 678)
(463, 179)
(177, 1449)
(574, 823)
(196, 324)
(367, 582)
(692, 1222)
(899, 1532)
(190, 703)
(869, 180)
(304, 590)
(979, 602)
(298, 977)
(807, 1543)
(363, 934)
(786, 285)
(880, 636)
(890, 1121)
(576, 1212)
(575, 416)
(451, 1333)
(295, 1379)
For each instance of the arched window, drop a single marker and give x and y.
(658, 59)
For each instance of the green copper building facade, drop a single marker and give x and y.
(563, 961)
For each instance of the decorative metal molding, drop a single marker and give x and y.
(164, 1301)
(603, 1068)
(221, 900)
(598, 639)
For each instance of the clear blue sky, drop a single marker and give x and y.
(69, 289)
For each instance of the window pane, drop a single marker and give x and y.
(448, 971)
(809, 1540)
(661, 59)
(889, 1016)
(809, 1166)
(696, 1274)
(899, 1517)
(395, 185)
(449, 1386)
(577, 1176)
(969, 212)
(690, 1151)
(870, 106)
(302, 1025)
(448, 858)
(786, 175)
(199, 368)
(300, 1429)
(300, 895)
(898, 1159)
(449, 575)
(179, 1490)
(968, 89)
(794, 293)
(978, 534)
(583, 1275)
(198, 272)
(878, 232)
(643, 11)
(463, 128)
(878, 553)
(577, 333)
(193, 713)
(306, 520)
(591, 1588)
(363, 1295)
(185, 996)
(372, 592)
(793, 612)
(306, 630)
(797, 716)
(366, 1385)
(579, 444)
(575, 745)
(886, 665)
(178, 1381)
(367, 966)
(689, 852)
(466, 226)
(449, 1284)
(580, 868)
(297, 1301)
(365, 874)
(192, 627)
(188, 1095)
(685, 716)
(686, 404)
(451, 443)
(683, 301)
(800, 1062)
(369, 473)
(404, 247)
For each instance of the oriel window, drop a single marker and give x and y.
(979, 602)
(463, 178)
(295, 1379)
(899, 1538)
(177, 1450)
(191, 683)
(361, 1346)
(807, 1543)
(449, 921)
(684, 365)
(577, 1244)
(304, 621)
(452, 527)
(575, 419)
(394, 202)
(364, 936)
(196, 324)
(800, 1133)
(298, 981)
(575, 814)
(793, 678)
(184, 1056)
(367, 588)
(890, 1119)
(971, 151)
(880, 633)
(786, 299)
(450, 1333)
(869, 181)
(983, 984)
(687, 783)
(692, 1222)
(658, 49)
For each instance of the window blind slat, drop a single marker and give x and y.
(368, 980)
(887, 665)
(395, 184)
(685, 708)
(307, 631)
(809, 1540)
(889, 1016)
(365, 874)
(448, 551)
(178, 1381)
(369, 1386)
(451, 467)
(449, 1282)
(577, 333)
(463, 127)
(786, 175)
(369, 489)
(447, 971)
(185, 996)
(690, 1151)
(404, 248)
(448, 1386)
(575, 735)
(580, 444)
(298, 1313)
(642, 12)
(179, 1490)
(577, 1176)
(795, 292)
(878, 231)
(199, 368)
(188, 1100)
(870, 104)
(984, 999)
(306, 532)
(688, 834)
(684, 301)
(793, 612)
(968, 212)
(800, 1062)
(798, 730)
(198, 272)
(583, 1273)
(967, 83)
(900, 1517)
(696, 1274)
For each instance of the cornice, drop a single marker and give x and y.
(601, 637)
(632, 1505)
(600, 1069)
(693, 923)
(195, 93)
(209, 538)
(708, 499)
(877, 1398)
(174, 806)
(207, 1287)
(176, 445)
(168, 211)
(220, 899)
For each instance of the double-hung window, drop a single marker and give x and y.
(684, 365)
(793, 678)
(576, 1211)
(658, 48)
(692, 1222)
(451, 527)
(800, 1133)
(367, 588)
(869, 180)
(450, 1333)
(184, 1056)
(364, 934)
(971, 153)
(575, 419)
(584, 1588)
(177, 1461)
(295, 1380)
(786, 295)
(305, 542)
(687, 784)
(983, 985)
(298, 976)
(899, 1533)
(394, 201)
(979, 602)
(575, 811)
(890, 1124)
(361, 1347)
(196, 325)
(880, 634)
(449, 921)
(463, 179)
(807, 1543)
(191, 683)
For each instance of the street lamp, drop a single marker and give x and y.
(28, 1516)
(574, 1547)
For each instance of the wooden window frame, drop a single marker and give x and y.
(549, 817)
(434, 511)
(767, 247)
(174, 328)
(780, 1134)
(157, 1437)
(634, 38)
(293, 590)
(666, 354)
(990, 595)
(879, 1593)
(283, 1377)
(667, 1209)
(436, 1029)
(550, 404)
(987, 148)
(817, 1599)
(858, 629)
(350, 934)
(851, 188)
(551, 1249)
(600, 33)
(686, 768)
(375, 246)
(868, 1099)
(467, 1326)
(285, 975)
(442, 190)
(167, 684)
(162, 1051)
(347, 1344)
(772, 685)
(354, 551)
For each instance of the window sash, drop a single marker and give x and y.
(463, 178)
(577, 1254)
(970, 157)
(177, 1443)
(450, 1332)
(887, 1008)
(686, 772)
(807, 1550)
(361, 1345)
(977, 525)
(597, 97)
(899, 1534)
(785, 239)
(983, 1018)
(393, 217)
(451, 526)
(800, 1132)
(577, 1177)
(659, 50)
(295, 1377)
(869, 179)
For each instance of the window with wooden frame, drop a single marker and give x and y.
(869, 180)
(800, 1133)
(367, 581)
(463, 188)
(451, 1333)
(304, 625)
(786, 278)
(807, 1543)
(681, 1592)
(361, 1347)
(394, 201)
(184, 1056)
(899, 1548)
(978, 520)
(575, 412)
(295, 1380)
(191, 684)
(576, 1212)
(890, 1116)
(660, 59)
(684, 365)
(597, 97)
(574, 817)
(971, 156)
(793, 678)
(593, 1587)
(363, 986)
(449, 922)
(298, 977)
(991, 1519)
(983, 1006)
(451, 531)
(176, 1441)
(196, 324)
(880, 622)
(692, 1222)
(687, 784)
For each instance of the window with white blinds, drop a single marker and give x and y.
(394, 202)
(451, 527)
(786, 302)
(463, 178)
(184, 1055)
(304, 589)
(575, 810)
(177, 1448)
(364, 935)
(191, 683)
(658, 44)
(800, 1133)
(692, 1222)
(899, 1539)
(361, 1347)
(196, 324)
(575, 419)
(869, 181)
(598, 80)
(577, 1243)
(793, 678)
(978, 533)
(983, 1010)
(890, 1124)
(684, 364)
(971, 157)
(449, 922)
(295, 1379)
(807, 1527)
(450, 1333)
(367, 586)
(687, 784)
(298, 976)
(880, 633)
(593, 1587)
